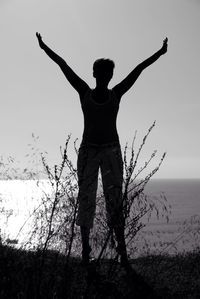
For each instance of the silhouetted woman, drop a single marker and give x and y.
(100, 147)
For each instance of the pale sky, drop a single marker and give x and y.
(36, 98)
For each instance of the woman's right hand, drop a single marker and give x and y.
(39, 37)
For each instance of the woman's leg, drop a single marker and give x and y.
(87, 166)
(112, 178)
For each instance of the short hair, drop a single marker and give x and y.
(103, 64)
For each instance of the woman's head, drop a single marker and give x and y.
(103, 69)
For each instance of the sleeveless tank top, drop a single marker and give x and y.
(100, 119)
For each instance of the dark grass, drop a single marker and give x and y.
(170, 276)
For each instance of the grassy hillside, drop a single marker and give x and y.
(23, 275)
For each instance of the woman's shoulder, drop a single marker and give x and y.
(115, 95)
(85, 95)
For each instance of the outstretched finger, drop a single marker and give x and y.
(38, 35)
(165, 40)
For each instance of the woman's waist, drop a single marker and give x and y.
(100, 140)
(100, 145)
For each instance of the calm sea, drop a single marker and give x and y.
(180, 233)
(182, 194)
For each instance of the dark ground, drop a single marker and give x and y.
(170, 277)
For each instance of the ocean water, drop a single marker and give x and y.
(181, 233)
(182, 194)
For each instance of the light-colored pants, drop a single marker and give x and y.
(109, 159)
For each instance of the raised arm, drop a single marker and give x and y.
(128, 82)
(79, 84)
